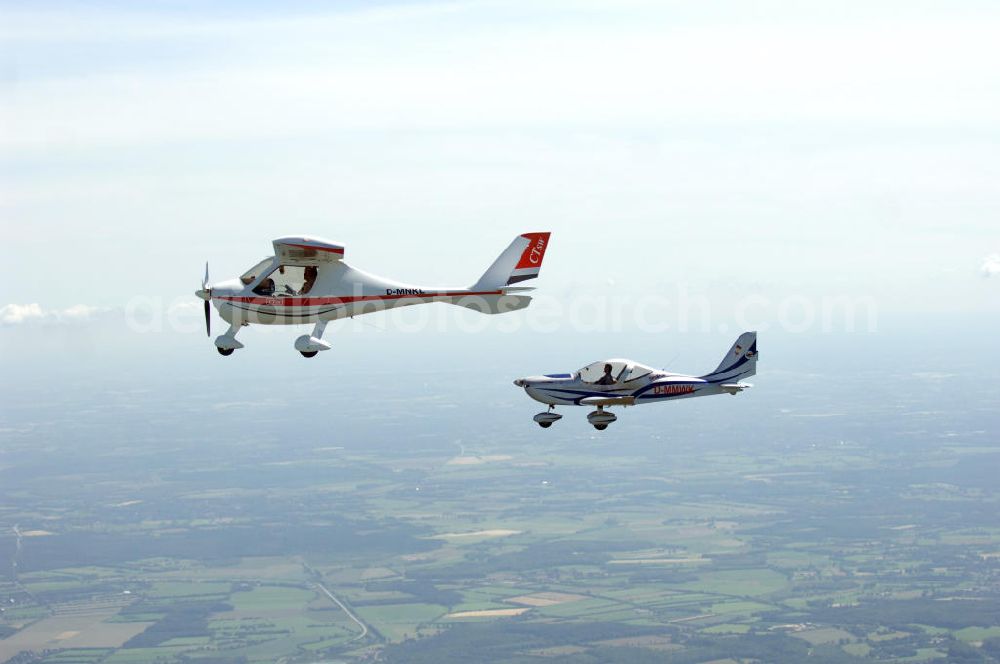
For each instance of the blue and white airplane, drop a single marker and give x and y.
(626, 383)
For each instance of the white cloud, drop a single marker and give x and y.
(79, 312)
(15, 314)
(20, 314)
(991, 265)
(184, 307)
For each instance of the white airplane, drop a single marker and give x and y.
(627, 383)
(307, 281)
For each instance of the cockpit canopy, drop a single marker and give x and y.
(272, 278)
(620, 371)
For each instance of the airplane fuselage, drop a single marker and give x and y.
(340, 291)
(571, 390)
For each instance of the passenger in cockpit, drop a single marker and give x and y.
(311, 273)
(607, 378)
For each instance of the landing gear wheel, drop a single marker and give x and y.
(547, 419)
(308, 353)
(225, 352)
(600, 418)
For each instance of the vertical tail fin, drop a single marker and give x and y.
(521, 261)
(739, 362)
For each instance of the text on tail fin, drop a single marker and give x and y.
(520, 261)
(531, 258)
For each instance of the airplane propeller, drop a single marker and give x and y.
(206, 294)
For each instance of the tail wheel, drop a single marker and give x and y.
(225, 352)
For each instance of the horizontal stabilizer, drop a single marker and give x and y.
(735, 388)
(607, 401)
(493, 304)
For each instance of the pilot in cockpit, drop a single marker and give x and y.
(607, 378)
(265, 287)
(311, 273)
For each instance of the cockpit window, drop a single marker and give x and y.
(607, 372)
(260, 268)
(636, 371)
(288, 281)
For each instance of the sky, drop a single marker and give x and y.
(793, 152)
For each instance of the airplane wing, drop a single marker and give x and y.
(302, 250)
(735, 388)
(607, 401)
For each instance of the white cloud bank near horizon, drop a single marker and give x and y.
(20, 314)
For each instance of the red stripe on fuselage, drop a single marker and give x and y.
(347, 299)
(331, 250)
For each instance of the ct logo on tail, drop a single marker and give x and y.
(535, 257)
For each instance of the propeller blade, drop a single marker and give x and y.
(206, 294)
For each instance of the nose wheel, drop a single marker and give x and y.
(309, 353)
(227, 343)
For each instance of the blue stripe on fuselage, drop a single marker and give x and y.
(573, 395)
